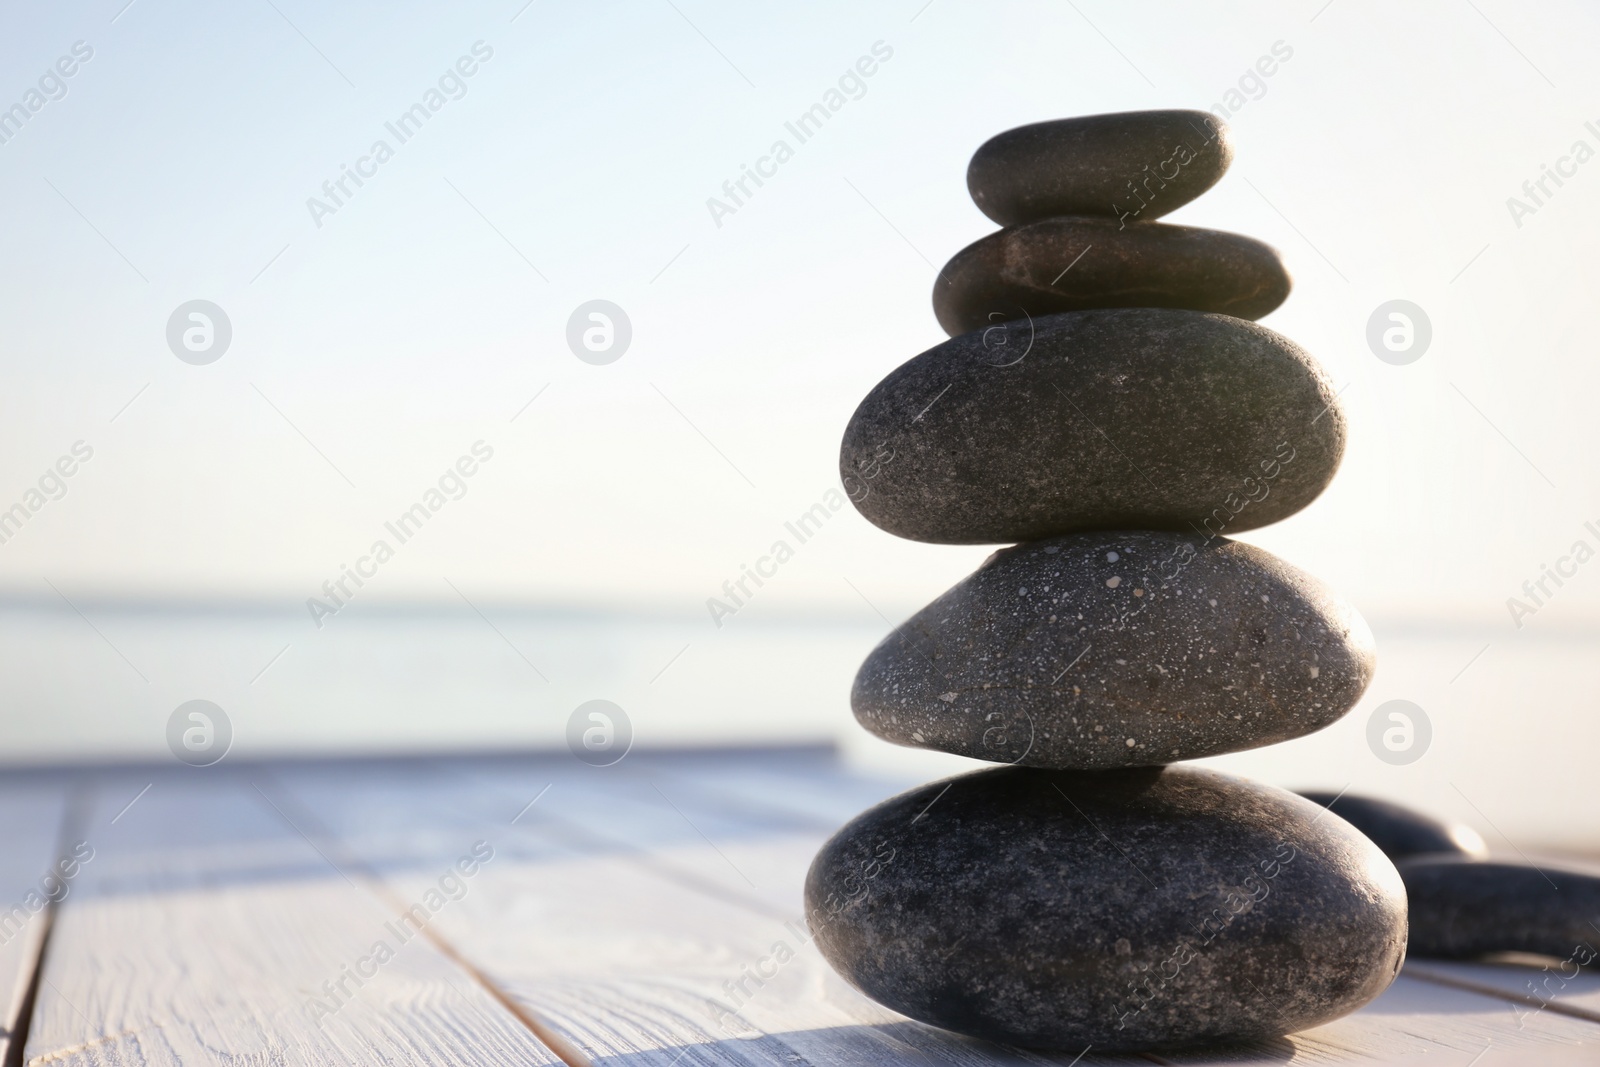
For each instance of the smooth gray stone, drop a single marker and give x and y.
(1125, 418)
(1131, 166)
(1463, 909)
(1118, 649)
(1399, 831)
(1128, 910)
(1074, 264)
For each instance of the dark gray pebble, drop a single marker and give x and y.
(1127, 910)
(1399, 831)
(1465, 909)
(1132, 418)
(1131, 166)
(1118, 649)
(1074, 264)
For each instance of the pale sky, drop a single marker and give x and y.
(371, 352)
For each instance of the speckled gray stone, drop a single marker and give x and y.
(1131, 166)
(1118, 649)
(1073, 264)
(1464, 909)
(1398, 830)
(1138, 418)
(1128, 910)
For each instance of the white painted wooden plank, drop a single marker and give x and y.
(206, 929)
(621, 811)
(719, 842)
(828, 794)
(626, 961)
(30, 829)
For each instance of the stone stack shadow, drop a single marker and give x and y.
(1107, 406)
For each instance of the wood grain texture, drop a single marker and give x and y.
(1534, 986)
(30, 829)
(207, 930)
(625, 929)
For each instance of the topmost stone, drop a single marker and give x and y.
(1132, 165)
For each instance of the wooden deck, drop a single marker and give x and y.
(256, 914)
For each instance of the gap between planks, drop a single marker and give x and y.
(75, 806)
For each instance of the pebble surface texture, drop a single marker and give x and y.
(1121, 418)
(1130, 166)
(1464, 909)
(1399, 831)
(1118, 649)
(1074, 264)
(1128, 910)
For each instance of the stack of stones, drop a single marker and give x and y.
(1106, 405)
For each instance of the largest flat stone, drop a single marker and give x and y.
(1126, 911)
(1126, 417)
(1131, 166)
(1118, 649)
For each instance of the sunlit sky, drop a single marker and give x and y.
(374, 346)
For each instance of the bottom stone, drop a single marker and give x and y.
(1126, 910)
